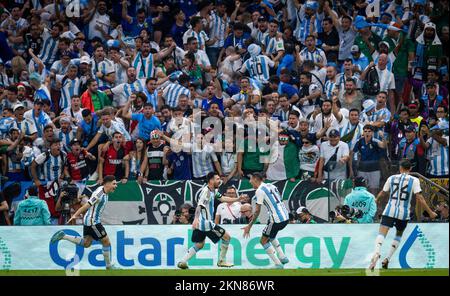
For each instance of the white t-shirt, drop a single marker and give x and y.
(101, 20)
(227, 211)
(387, 79)
(327, 151)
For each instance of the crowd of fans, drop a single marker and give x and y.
(115, 87)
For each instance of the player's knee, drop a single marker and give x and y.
(264, 240)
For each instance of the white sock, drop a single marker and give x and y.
(192, 251)
(223, 249)
(378, 243)
(394, 246)
(271, 252)
(78, 240)
(276, 245)
(107, 255)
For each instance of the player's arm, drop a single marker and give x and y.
(253, 221)
(80, 211)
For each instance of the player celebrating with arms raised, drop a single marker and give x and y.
(269, 195)
(204, 225)
(93, 229)
(401, 189)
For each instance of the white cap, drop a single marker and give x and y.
(17, 106)
(302, 210)
(85, 60)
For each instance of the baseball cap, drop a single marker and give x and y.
(20, 85)
(334, 133)
(17, 106)
(262, 19)
(303, 210)
(75, 141)
(354, 49)
(154, 135)
(413, 104)
(85, 60)
(410, 128)
(360, 181)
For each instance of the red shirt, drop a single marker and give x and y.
(113, 164)
(77, 166)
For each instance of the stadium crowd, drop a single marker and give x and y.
(96, 88)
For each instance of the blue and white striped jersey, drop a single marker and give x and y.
(273, 44)
(437, 155)
(144, 66)
(206, 203)
(261, 36)
(52, 167)
(258, 67)
(65, 138)
(202, 161)
(172, 93)
(123, 91)
(378, 115)
(40, 121)
(26, 126)
(70, 87)
(58, 68)
(217, 29)
(49, 48)
(304, 23)
(105, 67)
(201, 37)
(401, 188)
(269, 195)
(317, 56)
(114, 127)
(329, 87)
(97, 202)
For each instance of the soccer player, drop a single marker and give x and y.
(401, 189)
(204, 225)
(269, 195)
(93, 229)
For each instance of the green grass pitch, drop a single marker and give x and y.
(233, 272)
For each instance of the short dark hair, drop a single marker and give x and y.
(368, 126)
(295, 113)
(115, 133)
(148, 104)
(191, 39)
(85, 112)
(406, 164)
(195, 20)
(210, 176)
(354, 110)
(347, 17)
(33, 190)
(12, 88)
(258, 176)
(108, 179)
(90, 81)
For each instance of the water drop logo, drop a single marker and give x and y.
(5, 256)
(424, 242)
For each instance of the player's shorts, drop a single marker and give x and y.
(273, 228)
(390, 222)
(215, 235)
(97, 231)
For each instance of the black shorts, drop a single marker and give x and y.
(273, 228)
(390, 222)
(97, 231)
(215, 235)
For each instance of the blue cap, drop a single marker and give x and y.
(334, 133)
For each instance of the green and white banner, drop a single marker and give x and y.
(162, 246)
(156, 202)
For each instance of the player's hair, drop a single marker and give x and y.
(353, 110)
(210, 176)
(108, 179)
(405, 164)
(258, 176)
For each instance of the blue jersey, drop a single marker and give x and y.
(146, 125)
(97, 202)
(269, 195)
(258, 67)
